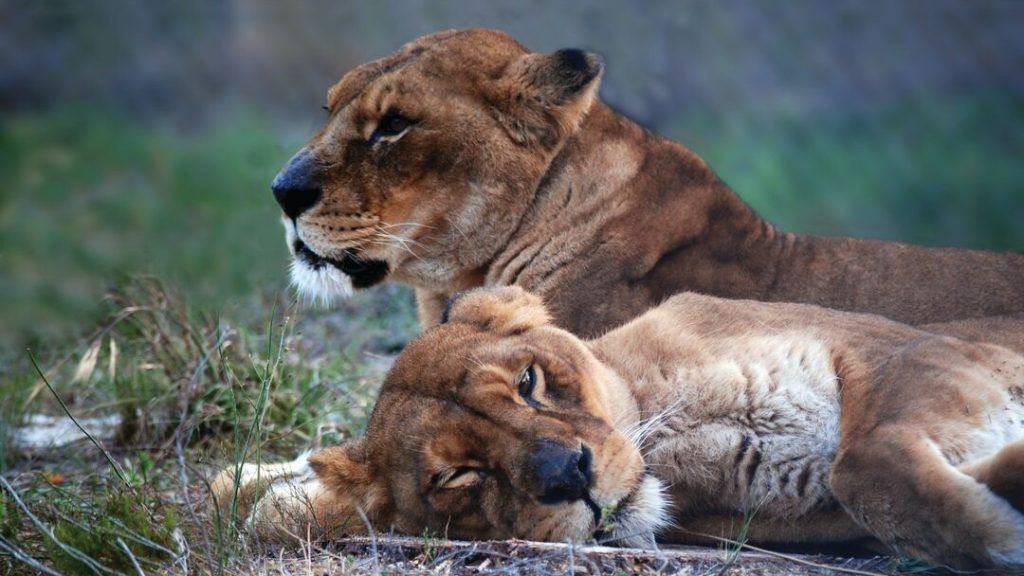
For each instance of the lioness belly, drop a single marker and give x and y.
(983, 404)
(755, 430)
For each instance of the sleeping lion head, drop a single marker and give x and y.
(428, 160)
(492, 425)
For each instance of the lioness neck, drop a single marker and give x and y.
(743, 409)
(638, 218)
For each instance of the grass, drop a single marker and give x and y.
(194, 393)
(96, 198)
(938, 171)
(230, 369)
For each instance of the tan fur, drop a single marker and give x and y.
(515, 173)
(818, 426)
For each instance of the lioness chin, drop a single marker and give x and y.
(815, 425)
(465, 160)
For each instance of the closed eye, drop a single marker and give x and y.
(458, 477)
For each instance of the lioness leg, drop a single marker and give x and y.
(896, 483)
(1003, 473)
(278, 502)
(253, 482)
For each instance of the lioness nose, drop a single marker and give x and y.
(296, 187)
(563, 473)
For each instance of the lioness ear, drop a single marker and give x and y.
(344, 469)
(344, 498)
(326, 495)
(507, 310)
(542, 98)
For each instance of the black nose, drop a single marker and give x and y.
(563, 473)
(296, 186)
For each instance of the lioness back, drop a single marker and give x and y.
(466, 160)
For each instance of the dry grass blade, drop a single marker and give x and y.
(87, 365)
(789, 557)
(112, 363)
(395, 554)
(110, 460)
(128, 553)
(21, 556)
(46, 531)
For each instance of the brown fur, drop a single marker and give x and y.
(515, 173)
(821, 426)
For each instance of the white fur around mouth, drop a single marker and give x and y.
(322, 284)
(645, 514)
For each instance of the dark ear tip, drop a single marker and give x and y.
(579, 61)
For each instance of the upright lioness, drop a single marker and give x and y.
(465, 160)
(817, 425)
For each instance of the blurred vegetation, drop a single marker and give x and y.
(99, 197)
(895, 174)
(193, 393)
(139, 140)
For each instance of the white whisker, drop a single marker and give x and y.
(385, 238)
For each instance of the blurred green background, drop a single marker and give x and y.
(140, 138)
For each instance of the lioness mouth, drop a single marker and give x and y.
(607, 520)
(362, 271)
(633, 520)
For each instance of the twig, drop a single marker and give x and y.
(138, 538)
(131, 556)
(23, 557)
(788, 557)
(373, 539)
(572, 559)
(186, 552)
(93, 565)
(110, 459)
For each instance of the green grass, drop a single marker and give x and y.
(221, 367)
(934, 171)
(195, 393)
(93, 198)
(225, 370)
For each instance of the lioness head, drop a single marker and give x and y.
(428, 160)
(495, 425)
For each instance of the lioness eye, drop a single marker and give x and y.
(527, 382)
(392, 124)
(461, 477)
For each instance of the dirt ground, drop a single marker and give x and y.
(404, 555)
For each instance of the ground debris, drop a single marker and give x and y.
(408, 555)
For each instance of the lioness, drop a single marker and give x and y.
(815, 425)
(465, 160)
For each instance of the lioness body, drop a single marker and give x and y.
(464, 160)
(785, 413)
(814, 425)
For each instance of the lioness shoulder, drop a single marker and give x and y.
(466, 160)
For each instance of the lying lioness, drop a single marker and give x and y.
(816, 426)
(465, 160)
